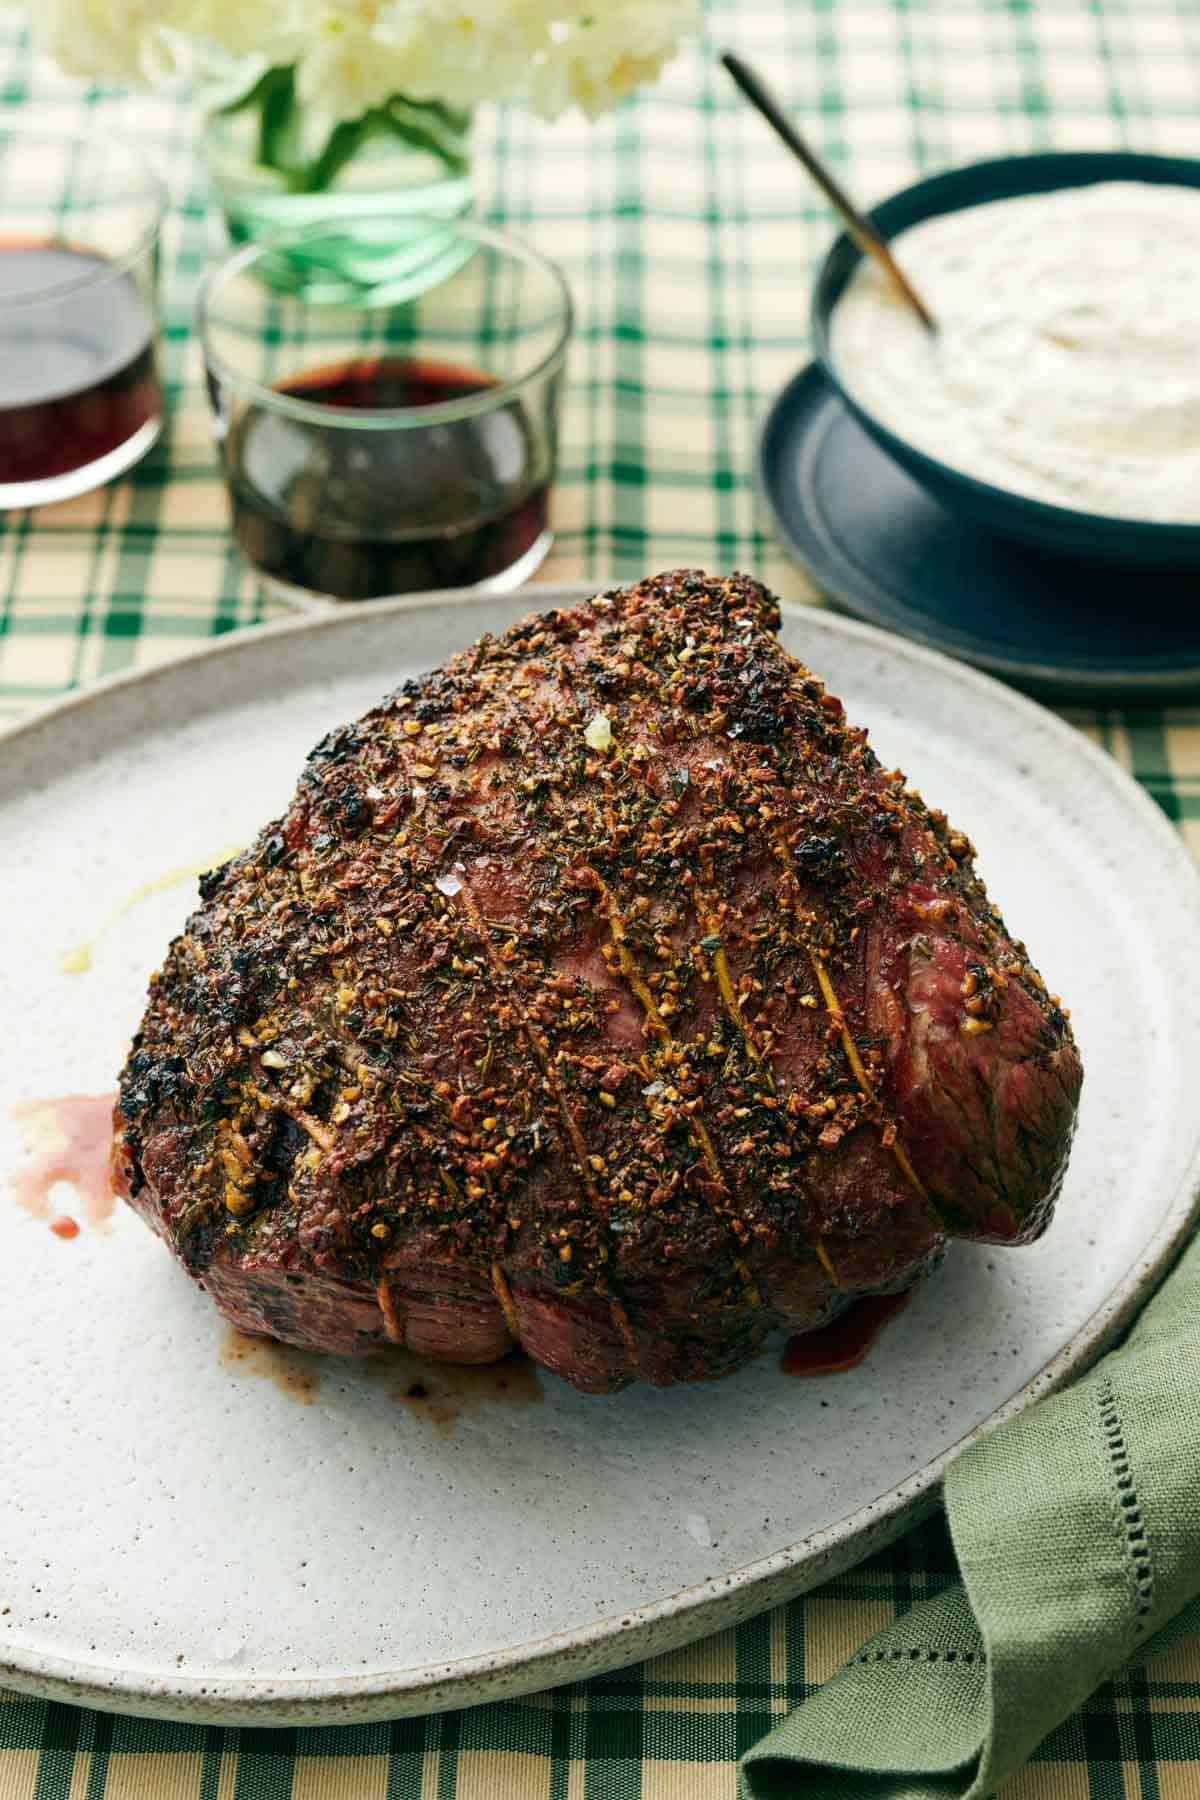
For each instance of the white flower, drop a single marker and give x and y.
(352, 55)
(594, 59)
(460, 54)
(274, 30)
(116, 40)
(345, 70)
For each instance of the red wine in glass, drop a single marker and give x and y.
(77, 361)
(358, 511)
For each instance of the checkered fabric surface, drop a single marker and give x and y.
(689, 240)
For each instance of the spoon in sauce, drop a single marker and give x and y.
(856, 223)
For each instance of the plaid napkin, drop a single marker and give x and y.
(1077, 1529)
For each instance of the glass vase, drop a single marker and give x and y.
(274, 167)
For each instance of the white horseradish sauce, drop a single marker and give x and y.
(1067, 363)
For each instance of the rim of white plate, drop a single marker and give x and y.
(720, 1600)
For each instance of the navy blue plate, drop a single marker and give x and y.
(879, 545)
(1065, 528)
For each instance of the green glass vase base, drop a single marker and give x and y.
(254, 212)
(390, 178)
(345, 261)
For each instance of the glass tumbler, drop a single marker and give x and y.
(80, 399)
(385, 397)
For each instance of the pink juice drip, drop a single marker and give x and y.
(81, 1124)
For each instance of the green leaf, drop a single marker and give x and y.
(430, 126)
(279, 119)
(417, 124)
(252, 95)
(342, 144)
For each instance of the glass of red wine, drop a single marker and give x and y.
(80, 399)
(385, 398)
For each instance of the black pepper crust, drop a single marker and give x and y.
(600, 988)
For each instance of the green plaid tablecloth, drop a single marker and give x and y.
(689, 240)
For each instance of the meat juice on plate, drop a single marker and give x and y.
(846, 1340)
(69, 1139)
(77, 362)
(358, 513)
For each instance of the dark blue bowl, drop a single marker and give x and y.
(1098, 536)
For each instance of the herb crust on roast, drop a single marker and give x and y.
(599, 992)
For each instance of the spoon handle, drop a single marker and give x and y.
(859, 227)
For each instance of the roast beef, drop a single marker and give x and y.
(599, 993)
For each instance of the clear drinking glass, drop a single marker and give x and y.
(385, 398)
(80, 399)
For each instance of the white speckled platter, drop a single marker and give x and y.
(181, 1535)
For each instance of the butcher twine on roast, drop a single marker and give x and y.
(599, 992)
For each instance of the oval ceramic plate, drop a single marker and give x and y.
(191, 1529)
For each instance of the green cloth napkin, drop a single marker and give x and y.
(1077, 1531)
